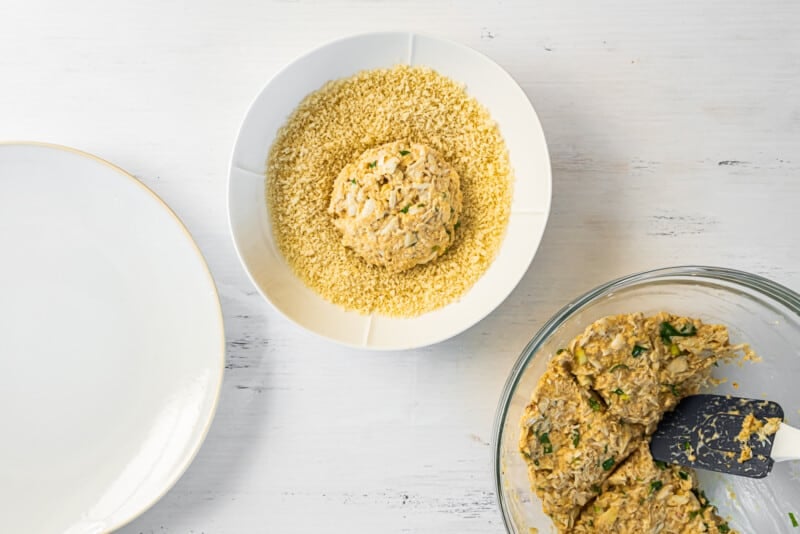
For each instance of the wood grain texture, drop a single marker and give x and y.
(674, 131)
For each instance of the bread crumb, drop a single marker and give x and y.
(334, 125)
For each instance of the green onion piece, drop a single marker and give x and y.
(576, 437)
(693, 514)
(795, 524)
(405, 210)
(596, 488)
(608, 464)
(559, 351)
(595, 405)
(661, 465)
(666, 331)
(674, 389)
(724, 528)
(622, 395)
(536, 463)
(373, 164)
(353, 181)
(457, 225)
(544, 439)
(686, 445)
(404, 152)
(638, 350)
(655, 486)
(684, 475)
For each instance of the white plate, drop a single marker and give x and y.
(111, 343)
(249, 220)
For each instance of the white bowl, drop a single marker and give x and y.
(250, 222)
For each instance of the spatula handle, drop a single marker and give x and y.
(786, 445)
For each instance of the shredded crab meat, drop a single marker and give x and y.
(761, 429)
(408, 201)
(642, 496)
(585, 433)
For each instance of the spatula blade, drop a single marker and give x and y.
(701, 432)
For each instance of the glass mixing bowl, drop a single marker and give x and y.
(755, 310)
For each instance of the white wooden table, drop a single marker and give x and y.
(674, 130)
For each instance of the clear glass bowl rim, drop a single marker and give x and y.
(777, 292)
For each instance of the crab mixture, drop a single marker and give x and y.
(647, 496)
(754, 426)
(398, 205)
(585, 433)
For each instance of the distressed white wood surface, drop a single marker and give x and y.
(674, 130)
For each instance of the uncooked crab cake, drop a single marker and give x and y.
(397, 205)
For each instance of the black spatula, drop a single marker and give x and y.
(701, 432)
